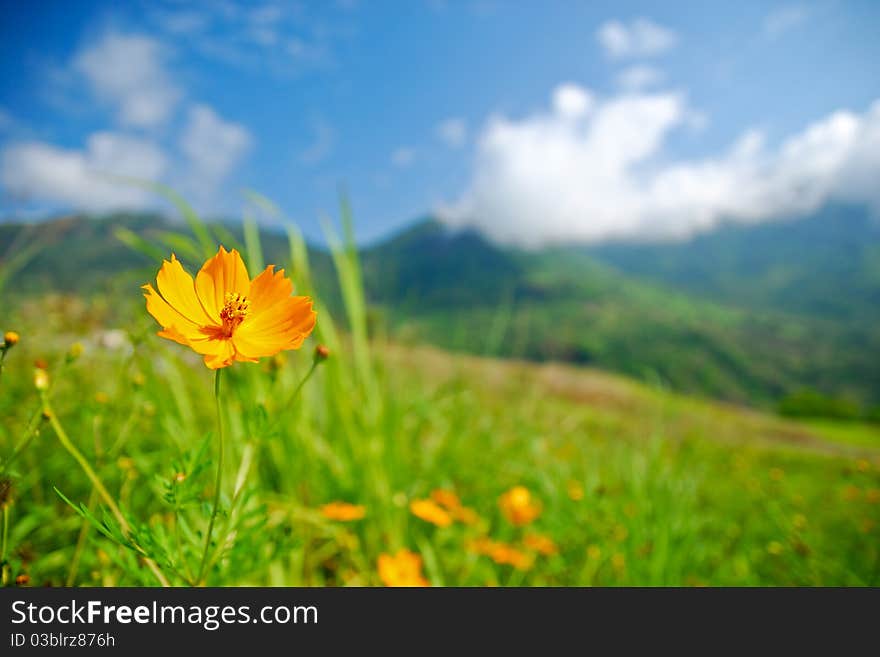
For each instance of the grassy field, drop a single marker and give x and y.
(487, 472)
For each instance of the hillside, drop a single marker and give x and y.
(825, 265)
(459, 291)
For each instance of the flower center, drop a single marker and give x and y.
(235, 309)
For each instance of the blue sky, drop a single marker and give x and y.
(536, 121)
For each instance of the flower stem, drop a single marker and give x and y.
(289, 402)
(98, 485)
(218, 481)
(5, 539)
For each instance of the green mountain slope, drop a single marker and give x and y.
(826, 265)
(457, 290)
(560, 304)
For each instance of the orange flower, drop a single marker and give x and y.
(343, 511)
(541, 544)
(445, 498)
(518, 506)
(224, 315)
(429, 511)
(501, 553)
(402, 569)
(451, 502)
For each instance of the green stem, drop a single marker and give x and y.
(98, 485)
(80, 542)
(219, 479)
(3, 564)
(295, 393)
(29, 433)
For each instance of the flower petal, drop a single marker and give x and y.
(222, 274)
(282, 326)
(168, 317)
(221, 358)
(177, 288)
(269, 288)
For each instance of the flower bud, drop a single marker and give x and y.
(10, 339)
(321, 353)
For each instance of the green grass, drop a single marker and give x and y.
(638, 485)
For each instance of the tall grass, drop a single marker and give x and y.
(635, 486)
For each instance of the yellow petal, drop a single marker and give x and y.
(222, 274)
(282, 326)
(223, 357)
(167, 316)
(177, 288)
(269, 288)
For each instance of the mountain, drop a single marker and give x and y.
(826, 265)
(662, 313)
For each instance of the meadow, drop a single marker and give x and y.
(375, 462)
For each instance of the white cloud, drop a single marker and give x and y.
(79, 178)
(453, 132)
(213, 147)
(403, 157)
(639, 78)
(571, 101)
(782, 20)
(128, 72)
(549, 178)
(639, 38)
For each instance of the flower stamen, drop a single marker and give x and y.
(235, 308)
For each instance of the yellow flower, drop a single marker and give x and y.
(224, 315)
(343, 511)
(575, 490)
(401, 569)
(541, 544)
(501, 553)
(430, 511)
(445, 498)
(10, 339)
(41, 379)
(451, 502)
(518, 506)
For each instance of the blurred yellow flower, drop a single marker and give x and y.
(775, 548)
(872, 496)
(594, 553)
(501, 553)
(10, 339)
(445, 498)
(541, 544)
(863, 465)
(401, 569)
(575, 490)
(451, 502)
(518, 506)
(343, 511)
(430, 511)
(224, 315)
(41, 379)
